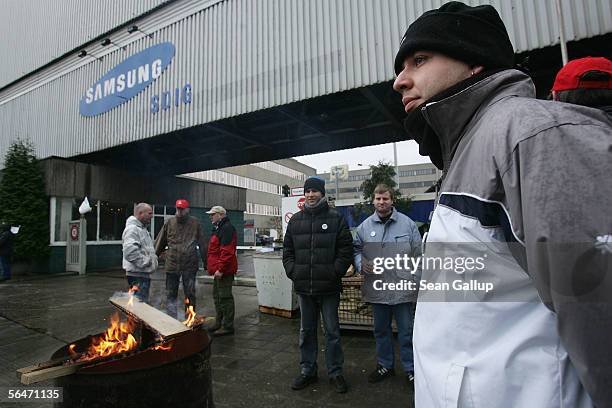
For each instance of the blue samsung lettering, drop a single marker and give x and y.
(127, 79)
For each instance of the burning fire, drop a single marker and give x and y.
(190, 314)
(162, 347)
(118, 338)
(131, 292)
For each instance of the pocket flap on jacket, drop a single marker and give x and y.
(452, 388)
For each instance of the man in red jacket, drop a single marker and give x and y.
(222, 264)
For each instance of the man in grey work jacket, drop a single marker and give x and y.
(384, 235)
(139, 258)
(527, 189)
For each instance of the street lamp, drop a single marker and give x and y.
(337, 177)
(339, 171)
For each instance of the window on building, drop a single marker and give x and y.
(162, 213)
(112, 219)
(105, 222)
(63, 214)
(417, 184)
(280, 169)
(262, 209)
(222, 177)
(417, 172)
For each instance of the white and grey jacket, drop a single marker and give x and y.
(399, 236)
(530, 181)
(139, 257)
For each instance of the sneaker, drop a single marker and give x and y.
(380, 374)
(410, 378)
(302, 381)
(339, 383)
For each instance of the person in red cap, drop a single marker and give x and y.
(181, 238)
(585, 81)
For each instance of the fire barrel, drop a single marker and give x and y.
(177, 374)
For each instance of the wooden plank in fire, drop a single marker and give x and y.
(48, 373)
(56, 368)
(40, 366)
(156, 320)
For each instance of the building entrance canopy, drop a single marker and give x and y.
(358, 117)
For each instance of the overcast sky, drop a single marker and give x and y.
(407, 153)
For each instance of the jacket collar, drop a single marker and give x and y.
(221, 222)
(393, 217)
(132, 220)
(321, 206)
(449, 113)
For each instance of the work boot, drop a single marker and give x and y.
(215, 326)
(223, 332)
(302, 381)
(380, 373)
(339, 384)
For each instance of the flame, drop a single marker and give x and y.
(190, 314)
(162, 347)
(131, 292)
(118, 338)
(71, 350)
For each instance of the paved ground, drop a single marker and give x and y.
(251, 369)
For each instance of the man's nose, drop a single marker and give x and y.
(403, 81)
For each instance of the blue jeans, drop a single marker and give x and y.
(404, 318)
(144, 284)
(5, 267)
(310, 308)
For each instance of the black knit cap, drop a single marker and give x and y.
(315, 183)
(474, 35)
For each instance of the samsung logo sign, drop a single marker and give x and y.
(126, 80)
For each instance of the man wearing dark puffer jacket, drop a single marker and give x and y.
(317, 253)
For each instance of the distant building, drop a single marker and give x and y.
(413, 179)
(263, 182)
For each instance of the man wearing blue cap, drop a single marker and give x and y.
(318, 250)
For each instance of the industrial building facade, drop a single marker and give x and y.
(188, 69)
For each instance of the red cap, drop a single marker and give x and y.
(569, 77)
(182, 203)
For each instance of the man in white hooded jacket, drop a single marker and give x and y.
(139, 259)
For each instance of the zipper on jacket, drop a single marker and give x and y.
(311, 248)
(382, 241)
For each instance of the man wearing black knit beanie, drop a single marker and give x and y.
(524, 327)
(317, 251)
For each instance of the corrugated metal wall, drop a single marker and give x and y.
(246, 55)
(35, 32)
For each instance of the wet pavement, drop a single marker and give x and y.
(253, 368)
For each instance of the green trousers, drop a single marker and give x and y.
(224, 301)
